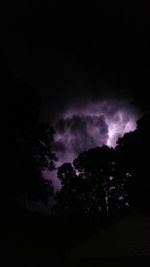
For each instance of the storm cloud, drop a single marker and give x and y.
(81, 127)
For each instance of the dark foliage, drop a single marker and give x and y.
(133, 155)
(28, 147)
(104, 180)
(94, 186)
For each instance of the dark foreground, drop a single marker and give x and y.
(37, 241)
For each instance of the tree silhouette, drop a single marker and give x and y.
(67, 198)
(133, 150)
(29, 151)
(94, 186)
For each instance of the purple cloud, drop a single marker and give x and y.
(80, 128)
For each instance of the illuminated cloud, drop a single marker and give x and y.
(93, 124)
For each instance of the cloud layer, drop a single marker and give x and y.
(80, 128)
(92, 124)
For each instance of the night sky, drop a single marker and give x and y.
(91, 69)
(76, 62)
(71, 57)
